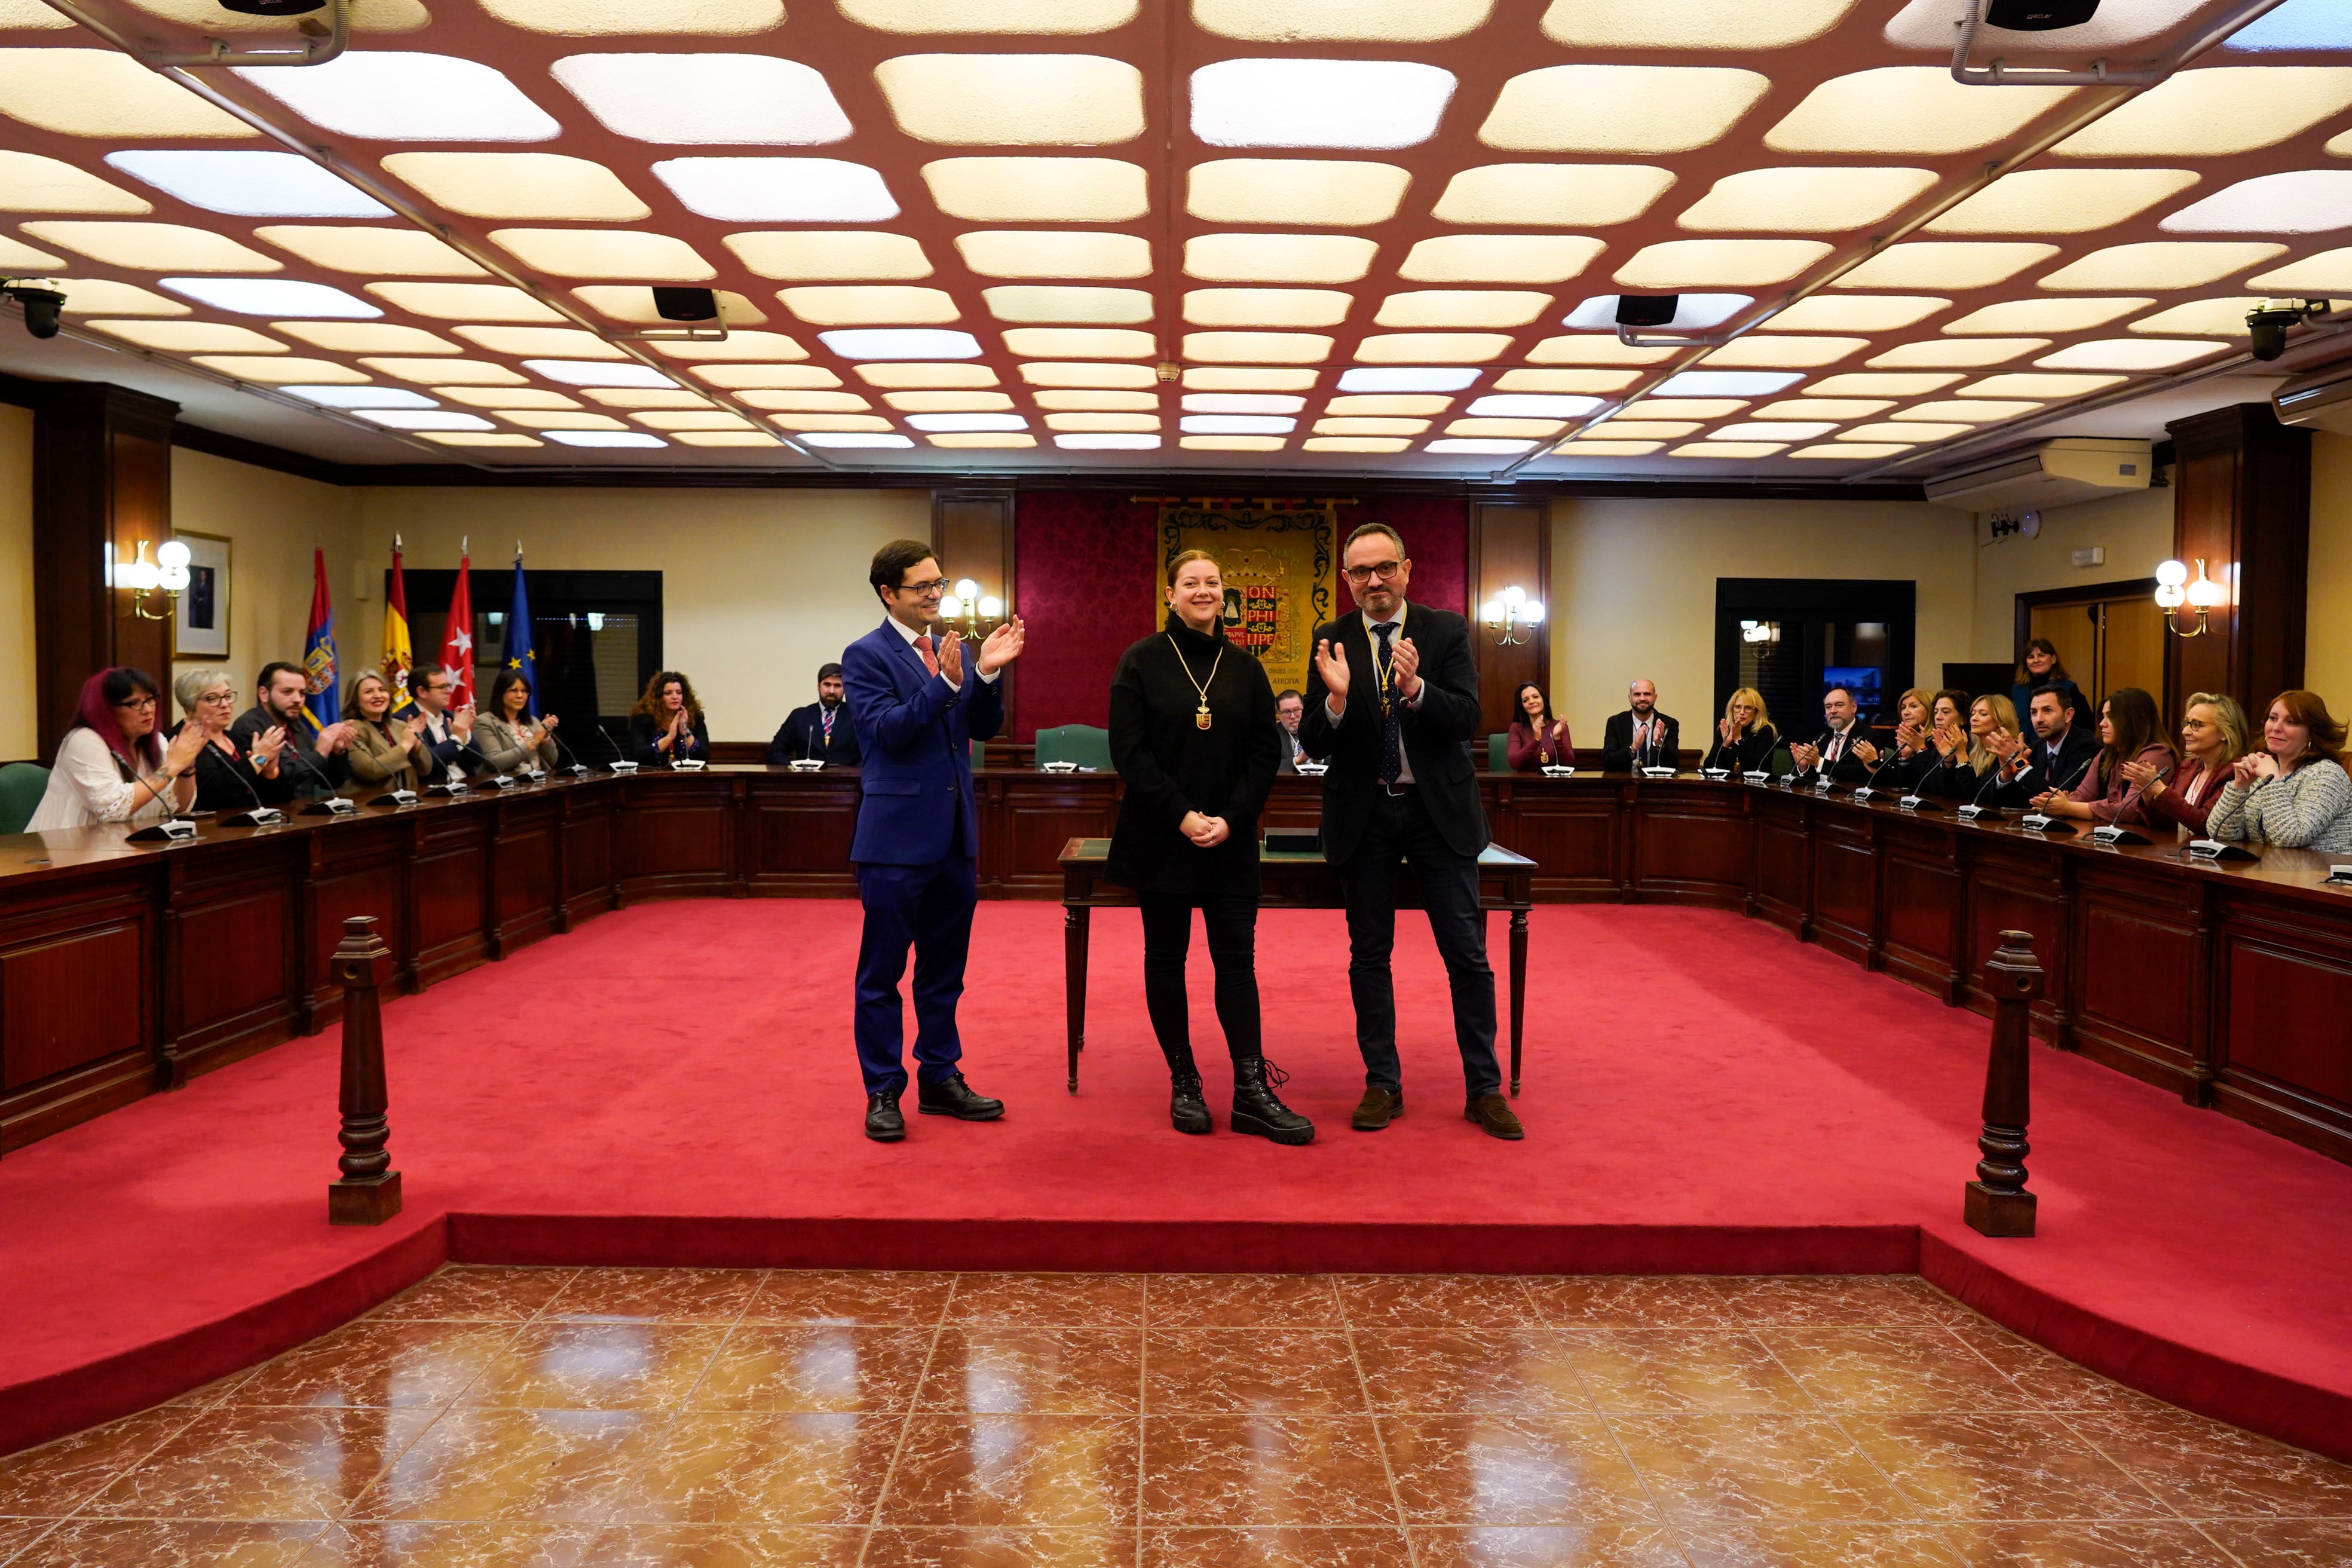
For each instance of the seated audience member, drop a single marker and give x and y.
(2041, 667)
(1905, 759)
(2295, 794)
(2131, 729)
(1537, 741)
(1837, 754)
(385, 750)
(230, 775)
(281, 692)
(1289, 708)
(1745, 738)
(2213, 737)
(508, 739)
(448, 734)
(111, 766)
(821, 731)
(665, 727)
(1641, 736)
(1947, 736)
(2059, 755)
(1980, 774)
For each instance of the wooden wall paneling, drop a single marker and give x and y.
(1696, 846)
(1845, 885)
(78, 990)
(2284, 1059)
(2133, 996)
(1029, 819)
(674, 836)
(232, 958)
(589, 888)
(2018, 885)
(1923, 891)
(1571, 838)
(797, 834)
(1296, 802)
(1510, 544)
(972, 530)
(448, 909)
(357, 869)
(525, 878)
(1782, 892)
(2242, 500)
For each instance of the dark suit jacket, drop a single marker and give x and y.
(1617, 745)
(2063, 768)
(1436, 732)
(915, 733)
(1285, 744)
(1845, 768)
(444, 751)
(294, 780)
(802, 735)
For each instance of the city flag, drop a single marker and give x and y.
(518, 651)
(397, 655)
(458, 637)
(319, 648)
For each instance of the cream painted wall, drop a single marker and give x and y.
(2327, 611)
(272, 521)
(2134, 528)
(758, 587)
(18, 695)
(1634, 587)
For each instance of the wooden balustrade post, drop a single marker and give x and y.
(368, 1191)
(1997, 1202)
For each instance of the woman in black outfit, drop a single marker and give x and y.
(665, 727)
(1193, 736)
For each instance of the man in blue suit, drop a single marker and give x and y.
(917, 702)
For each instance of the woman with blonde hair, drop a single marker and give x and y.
(1745, 738)
(2212, 738)
(386, 751)
(1993, 738)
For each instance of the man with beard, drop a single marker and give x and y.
(821, 731)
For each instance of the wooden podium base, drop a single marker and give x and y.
(1989, 1212)
(368, 1201)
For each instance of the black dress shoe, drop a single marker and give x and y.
(953, 1096)
(883, 1123)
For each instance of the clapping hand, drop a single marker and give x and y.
(1729, 731)
(334, 739)
(1866, 751)
(951, 657)
(267, 745)
(1806, 756)
(461, 724)
(184, 748)
(1404, 665)
(1331, 666)
(2143, 776)
(547, 726)
(415, 732)
(1002, 647)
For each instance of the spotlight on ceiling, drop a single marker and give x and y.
(40, 305)
(686, 304)
(2039, 16)
(1647, 309)
(273, 8)
(2267, 325)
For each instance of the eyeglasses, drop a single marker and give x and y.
(936, 585)
(1381, 569)
(436, 690)
(136, 704)
(218, 697)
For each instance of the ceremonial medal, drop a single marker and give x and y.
(1201, 717)
(1201, 720)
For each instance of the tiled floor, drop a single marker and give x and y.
(562, 1419)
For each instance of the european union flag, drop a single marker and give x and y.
(518, 651)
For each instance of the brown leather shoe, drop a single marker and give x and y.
(1377, 1109)
(1494, 1113)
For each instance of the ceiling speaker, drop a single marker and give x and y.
(686, 304)
(2039, 16)
(1647, 309)
(273, 8)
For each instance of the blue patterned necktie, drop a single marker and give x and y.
(1391, 720)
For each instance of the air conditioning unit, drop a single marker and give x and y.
(2321, 399)
(2055, 473)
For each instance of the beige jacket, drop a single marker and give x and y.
(378, 760)
(503, 747)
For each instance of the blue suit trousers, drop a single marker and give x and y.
(929, 908)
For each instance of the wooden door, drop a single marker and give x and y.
(2105, 643)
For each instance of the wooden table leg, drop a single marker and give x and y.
(1518, 990)
(1076, 920)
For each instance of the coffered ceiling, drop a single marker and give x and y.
(1348, 236)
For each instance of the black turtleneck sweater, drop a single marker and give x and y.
(1170, 765)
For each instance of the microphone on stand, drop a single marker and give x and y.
(334, 803)
(623, 764)
(1917, 800)
(260, 816)
(579, 768)
(1819, 741)
(1976, 810)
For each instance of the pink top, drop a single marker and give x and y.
(2117, 800)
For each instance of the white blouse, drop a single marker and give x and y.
(87, 787)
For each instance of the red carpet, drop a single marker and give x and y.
(675, 1084)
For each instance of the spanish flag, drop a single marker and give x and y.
(397, 655)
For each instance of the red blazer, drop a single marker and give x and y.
(2174, 804)
(1528, 751)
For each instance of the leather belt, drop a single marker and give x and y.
(1402, 786)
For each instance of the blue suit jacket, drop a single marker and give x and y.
(914, 734)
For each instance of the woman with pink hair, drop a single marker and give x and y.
(110, 767)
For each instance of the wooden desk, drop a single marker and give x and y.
(1290, 881)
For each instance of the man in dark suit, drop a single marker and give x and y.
(319, 766)
(820, 730)
(918, 703)
(448, 731)
(1289, 708)
(2061, 750)
(1844, 753)
(1392, 704)
(1641, 737)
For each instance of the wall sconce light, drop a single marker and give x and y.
(1759, 632)
(975, 609)
(1509, 611)
(166, 574)
(2173, 590)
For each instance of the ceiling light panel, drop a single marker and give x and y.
(1013, 100)
(152, 246)
(1462, 308)
(568, 343)
(1266, 306)
(1908, 110)
(816, 402)
(1431, 379)
(1317, 191)
(1858, 451)
(99, 92)
(682, 99)
(1242, 378)
(1068, 374)
(1240, 402)
(633, 398)
(1370, 427)
(579, 372)
(2301, 201)
(2140, 355)
(1256, 348)
(1700, 263)
(2326, 270)
(1580, 448)
(1905, 431)
(840, 254)
(868, 304)
(1784, 350)
(249, 184)
(2209, 318)
(366, 338)
(390, 95)
(1946, 264)
(464, 302)
(1105, 402)
(1432, 348)
(2040, 386)
(520, 185)
(2062, 201)
(1038, 190)
(1856, 383)
(1479, 449)
(1566, 380)
(938, 402)
(361, 396)
(590, 18)
(272, 297)
(1690, 24)
(270, 371)
(711, 420)
(1499, 258)
(1807, 200)
(18, 256)
(1773, 430)
(1857, 312)
(2161, 264)
(104, 297)
(1620, 108)
(990, 15)
(1830, 408)
(190, 337)
(31, 183)
(1966, 411)
(1045, 303)
(1521, 407)
(1642, 429)
(1132, 422)
(1366, 443)
(446, 372)
(1552, 194)
(878, 375)
(1966, 351)
(1591, 348)
(1279, 258)
(1682, 407)
(1339, 21)
(2215, 110)
(891, 343)
(778, 190)
(495, 397)
(376, 252)
(1046, 253)
(605, 253)
(2045, 315)
(1293, 102)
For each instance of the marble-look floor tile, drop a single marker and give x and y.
(212, 1393)
(1694, 1370)
(1892, 1369)
(1248, 1369)
(465, 1293)
(374, 1363)
(439, 1545)
(890, 1547)
(1243, 1301)
(2050, 1381)
(1301, 1546)
(58, 1478)
(1792, 1469)
(989, 1471)
(172, 1543)
(1511, 1470)
(1633, 1301)
(847, 1296)
(1822, 1546)
(515, 1466)
(716, 1296)
(263, 1463)
(16, 1534)
(558, 1364)
(1446, 1371)
(2207, 1470)
(2086, 1544)
(705, 1467)
(1843, 1300)
(2026, 1466)
(1436, 1301)
(813, 1366)
(2286, 1542)
(1005, 1369)
(1546, 1546)
(1066, 1300)
(1265, 1470)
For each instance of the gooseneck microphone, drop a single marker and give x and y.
(578, 767)
(622, 762)
(334, 803)
(261, 815)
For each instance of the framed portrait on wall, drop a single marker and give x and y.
(200, 618)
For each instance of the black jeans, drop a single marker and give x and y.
(1232, 923)
(1400, 828)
